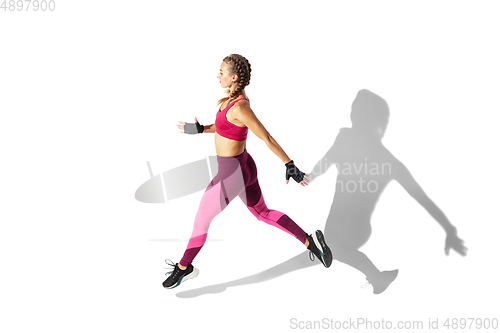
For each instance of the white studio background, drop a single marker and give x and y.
(94, 89)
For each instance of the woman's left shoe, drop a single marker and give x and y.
(318, 247)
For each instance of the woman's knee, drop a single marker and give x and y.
(251, 195)
(264, 214)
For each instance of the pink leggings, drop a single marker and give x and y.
(237, 176)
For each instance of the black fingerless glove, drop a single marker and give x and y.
(294, 172)
(193, 128)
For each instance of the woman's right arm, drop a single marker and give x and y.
(195, 128)
(209, 128)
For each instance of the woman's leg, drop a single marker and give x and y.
(254, 200)
(220, 192)
(270, 216)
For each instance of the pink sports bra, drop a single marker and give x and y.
(229, 130)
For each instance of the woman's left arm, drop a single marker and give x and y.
(245, 115)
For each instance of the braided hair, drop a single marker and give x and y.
(240, 66)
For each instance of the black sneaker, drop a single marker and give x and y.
(318, 247)
(177, 276)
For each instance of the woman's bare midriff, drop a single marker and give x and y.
(228, 147)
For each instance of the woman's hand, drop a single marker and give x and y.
(191, 128)
(295, 173)
(455, 243)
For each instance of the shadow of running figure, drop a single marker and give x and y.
(365, 167)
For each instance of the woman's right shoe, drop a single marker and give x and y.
(177, 275)
(318, 247)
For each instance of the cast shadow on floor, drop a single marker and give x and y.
(364, 169)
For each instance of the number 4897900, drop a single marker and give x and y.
(26, 5)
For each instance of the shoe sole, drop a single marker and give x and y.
(319, 239)
(191, 275)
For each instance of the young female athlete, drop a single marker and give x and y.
(237, 173)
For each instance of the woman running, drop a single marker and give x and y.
(237, 172)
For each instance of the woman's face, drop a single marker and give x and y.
(225, 79)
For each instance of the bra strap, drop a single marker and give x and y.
(232, 103)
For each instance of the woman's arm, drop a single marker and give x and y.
(209, 128)
(245, 115)
(191, 128)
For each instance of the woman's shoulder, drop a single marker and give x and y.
(242, 99)
(241, 104)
